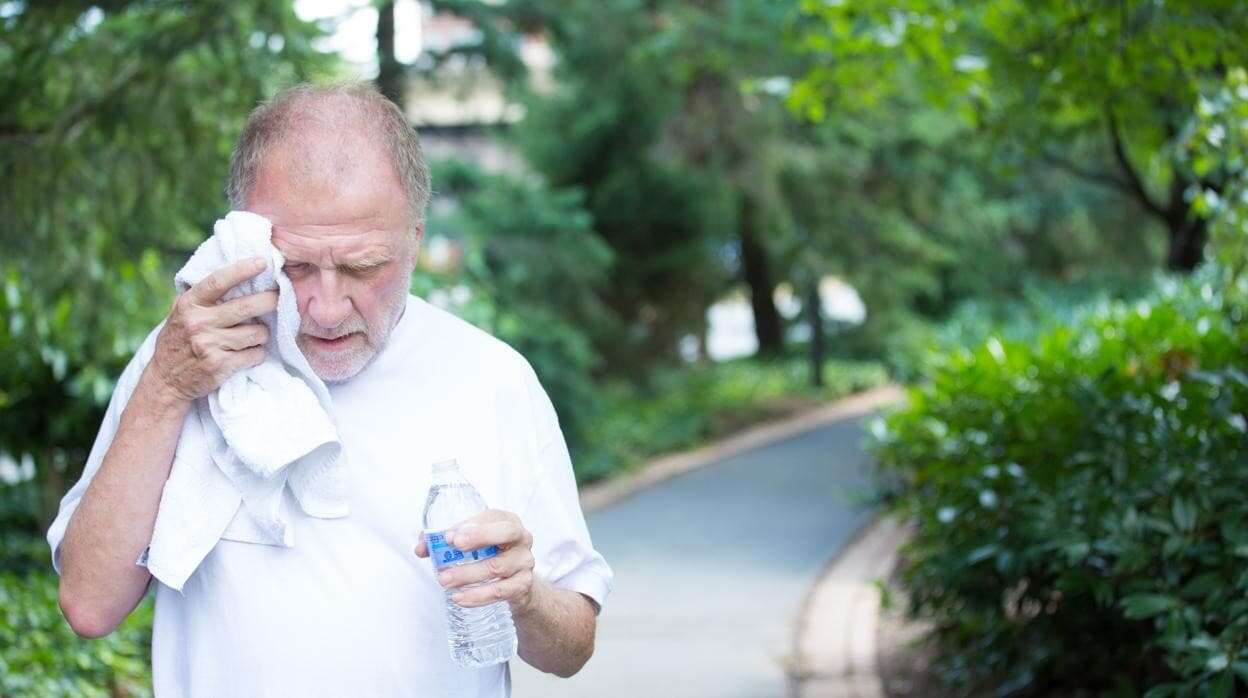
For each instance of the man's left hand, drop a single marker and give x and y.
(511, 569)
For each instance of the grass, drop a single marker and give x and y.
(683, 407)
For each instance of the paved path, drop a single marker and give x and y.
(711, 569)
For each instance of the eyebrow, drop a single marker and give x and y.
(370, 260)
(365, 261)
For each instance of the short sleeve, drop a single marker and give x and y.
(103, 440)
(562, 549)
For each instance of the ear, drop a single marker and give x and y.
(418, 236)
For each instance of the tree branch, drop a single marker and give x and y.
(80, 111)
(1107, 179)
(1134, 183)
(149, 60)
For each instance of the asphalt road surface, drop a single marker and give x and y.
(712, 567)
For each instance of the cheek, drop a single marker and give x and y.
(303, 288)
(374, 295)
(395, 281)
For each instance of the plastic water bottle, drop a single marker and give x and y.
(479, 636)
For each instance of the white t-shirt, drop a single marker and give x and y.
(350, 610)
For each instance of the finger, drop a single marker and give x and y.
(503, 590)
(501, 566)
(422, 550)
(246, 358)
(489, 516)
(210, 288)
(244, 336)
(472, 536)
(244, 308)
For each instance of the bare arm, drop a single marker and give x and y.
(201, 344)
(556, 630)
(100, 582)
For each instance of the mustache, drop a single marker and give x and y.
(349, 326)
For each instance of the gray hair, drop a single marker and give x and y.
(355, 103)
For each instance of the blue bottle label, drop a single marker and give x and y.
(444, 555)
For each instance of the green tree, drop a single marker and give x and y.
(603, 130)
(116, 122)
(1219, 143)
(720, 59)
(612, 128)
(919, 215)
(899, 194)
(1104, 91)
(531, 274)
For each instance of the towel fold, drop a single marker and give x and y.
(265, 428)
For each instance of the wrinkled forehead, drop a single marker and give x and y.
(331, 201)
(345, 244)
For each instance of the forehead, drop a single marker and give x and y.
(333, 246)
(334, 202)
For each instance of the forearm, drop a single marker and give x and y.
(100, 583)
(556, 629)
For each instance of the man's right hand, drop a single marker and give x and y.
(204, 342)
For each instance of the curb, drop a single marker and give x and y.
(836, 649)
(611, 491)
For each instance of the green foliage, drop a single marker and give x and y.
(1217, 149)
(932, 206)
(926, 216)
(1103, 91)
(672, 124)
(1039, 307)
(532, 269)
(1079, 502)
(41, 656)
(115, 132)
(682, 407)
(604, 130)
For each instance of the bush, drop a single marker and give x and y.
(41, 656)
(1039, 306)
(1079, 505)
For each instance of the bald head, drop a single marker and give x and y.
(322, 135)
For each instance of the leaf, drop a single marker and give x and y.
(1184, 514)
(1140, 606)
(981, 553)
(1223, 686)
(1240, 667)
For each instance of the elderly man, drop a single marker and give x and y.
(349, 610)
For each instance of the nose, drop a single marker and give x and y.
(328, 303)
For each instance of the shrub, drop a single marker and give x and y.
(41, 656)
(1039, 306)
(1079, 504)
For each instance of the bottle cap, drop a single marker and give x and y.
(445, 465)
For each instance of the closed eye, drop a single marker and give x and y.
(301, 268)
(364, 269)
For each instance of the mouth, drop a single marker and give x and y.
(331, 343)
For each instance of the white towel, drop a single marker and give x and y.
(265, 428)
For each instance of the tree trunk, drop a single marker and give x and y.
(814, 312)
(758, 277)
(1187, 242)
(389, 70)
(1188, 234)
(703, 334)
